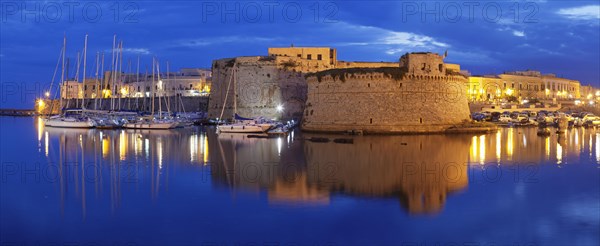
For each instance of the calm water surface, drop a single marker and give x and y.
(192, 186)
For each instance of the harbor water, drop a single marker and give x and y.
(191, 186)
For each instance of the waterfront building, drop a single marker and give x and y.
(522, 84)
(91, 88)
(589, 92)
(186, 83)
(71, 89)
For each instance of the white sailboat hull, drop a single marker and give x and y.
(151, 125)
(243, 128)
(66, 123)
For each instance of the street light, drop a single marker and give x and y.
(279, 108)
(47, 94)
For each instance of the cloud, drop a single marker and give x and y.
(392, 42)
(590, 12)
(472, 57)
(136, 51)
(219, 40)
(518, 33)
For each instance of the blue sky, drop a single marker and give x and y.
(485, 37)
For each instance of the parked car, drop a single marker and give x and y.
(520, 118)
(505, 118)
(478, 116)
(591, 120)
(495, 116)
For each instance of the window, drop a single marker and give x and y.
(319, 57)
(440, 67)
(309, 57)
(300, 55)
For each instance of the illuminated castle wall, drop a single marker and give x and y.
(419, 95)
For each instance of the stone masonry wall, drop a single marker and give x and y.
(262, 84)
(379, 102)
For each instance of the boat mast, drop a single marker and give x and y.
(52, 83)
(120, 78)
(102, 83)
(112, 74)
(77, 78)
(67, 78)
(153, 87)
(168, 97)
(97, 81)
(84, 67)
(62, 75)
(226, 93)
(234, 94)
(160, 89)
(146, 78)
(137, 80)
(128, 96)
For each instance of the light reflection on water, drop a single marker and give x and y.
(307, 172)
(433, 175)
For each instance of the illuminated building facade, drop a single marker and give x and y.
(71, 89)
(522, 84)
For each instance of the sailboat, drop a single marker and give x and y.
(151, 122)
(70, 119)
(240, 124)
(73, 118)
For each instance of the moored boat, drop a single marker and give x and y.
(244, 125)
(151, 124)
(69, 122)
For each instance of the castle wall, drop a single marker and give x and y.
(323, 55)
(380, 101)
(261, 84)
(345, 64)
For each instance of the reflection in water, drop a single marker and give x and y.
(419, 171)
(509, 143)
(88, 159)
(498, 145)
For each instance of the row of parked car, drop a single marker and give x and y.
(536, 118)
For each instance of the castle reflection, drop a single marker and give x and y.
(420, 171)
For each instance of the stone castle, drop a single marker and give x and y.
(420, 93)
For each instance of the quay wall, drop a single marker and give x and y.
(175, 104)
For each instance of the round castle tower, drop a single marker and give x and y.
(419, 96)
